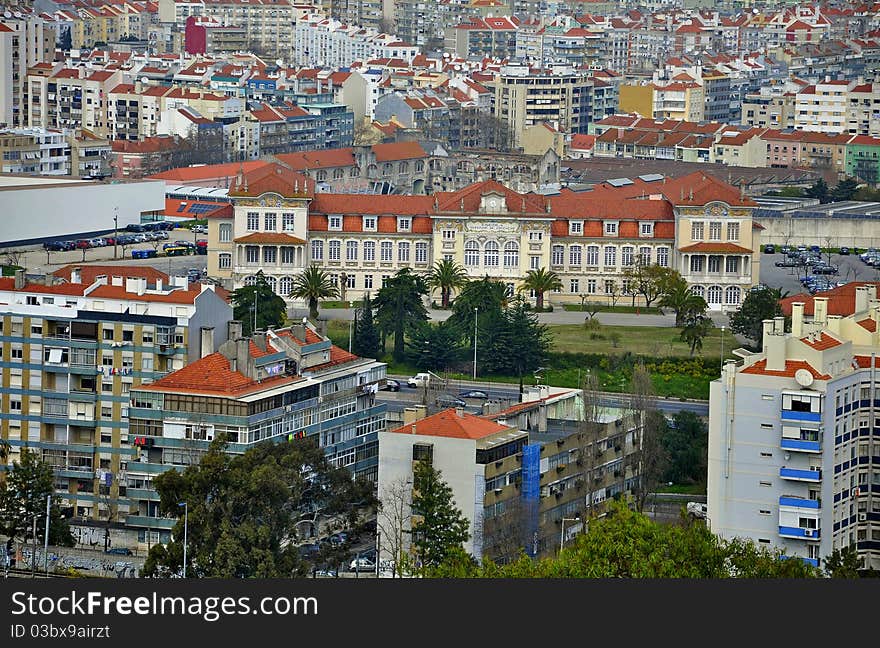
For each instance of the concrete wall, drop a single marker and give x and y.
(850, 232)
(41, 211)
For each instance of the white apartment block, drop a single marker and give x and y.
(24, 42)
(322, 41)
(793, 445)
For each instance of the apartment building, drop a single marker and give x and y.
(492, 36)
(324, 42)
(89, 155)
(279, 386)
(71, 98)
(823, 107)
(25, 41)
(515, 490)
(73, 349)
(792, 444)
(863, 159)
(34, 150)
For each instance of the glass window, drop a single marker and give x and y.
(387, 251)
(511, 254)
(334, 249)
(403, 252)
(225, 232)
(471, 253)
(288, 255)
(369, 223)
(369, 250)
(269, 254)
(557, 254)
(697, 231)
(252, 253)
(733, 231)
(270, 219)
(715, 231)
(663, 257)
(610, 255)
(626, 255)
(317, 250)
(593, 255)
(253, 221)
(351, 250)
(287, 221)
(491, 254)
(421, 252)
(574, 255)
(335, 223)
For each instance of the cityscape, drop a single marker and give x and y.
(459, 289)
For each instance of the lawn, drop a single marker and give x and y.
(604, 308)
(651, 341)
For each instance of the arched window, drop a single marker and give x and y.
(511, 254)
(491, 254)
(286, 286)
(714, 295)
(403, 167)
(471, 253)
(321, 176)
(273, 284)
(699, 291)
(338, 174)
(250, 281)
(732, 296)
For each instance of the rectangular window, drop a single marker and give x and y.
(334, 223)
(403, 252)
(610, 228)
(535, 237)
(287, 222)
(714, 263)
(731, 265)
(534, 262)
(593, 255)
(252, 253)
(610, 256)
(369, 223)
(288, 254)
(317, 250)
(647, 229)
(334, 250)
(626, 256)
(404, 224)
(557, 254)
(574, 255)
(591, 286)
(609, 287)
(448, 235)
(351, 251)
(225, 233)
(697, 263)
(387, 251)
(574, 286)
(733, 231)
(368, 281)
(270, 253)
(270, 219)
(253, 221)
(714, 231)
(697, 231)
(369, 250)
(576, 228)
(663, 257)
(421, 252)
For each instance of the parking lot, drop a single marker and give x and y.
(850, 268)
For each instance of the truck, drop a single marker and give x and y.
(426, 379)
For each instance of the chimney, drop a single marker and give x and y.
(872, 291)
(459, 412)
(207, 341)
(299, 331)
(779, 325)
(116, 280)
(259, 338)
(862, 298)
(834, 323)
(820, 309)
(158, 284)
(797, 319)
(768, 331)
(76, 276)
(233, 329)
(413, 413)
(19, 279)
(775, 349)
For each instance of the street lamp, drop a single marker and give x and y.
(185, 523)
(562, 533)
(46, 542)
(350, 326)
(722, 347)
(115, 229)
(475, 342)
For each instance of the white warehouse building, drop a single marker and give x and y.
(794, 453)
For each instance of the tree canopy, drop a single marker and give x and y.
(627, 544)
(436, 347)
(760, 303)
(516, 344)
(541, 281)
(313, 285)
(439, 527)
(448, 276)
(270, 308)
(365, 342)
(399, 307)
(246, 512)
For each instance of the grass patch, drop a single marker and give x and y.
(338, 304)
(650, 341)
(603, 308)
(683, 489)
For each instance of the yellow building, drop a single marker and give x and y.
(637, 99)
(537, 139)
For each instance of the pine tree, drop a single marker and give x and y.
(441, 528)
(365, 340)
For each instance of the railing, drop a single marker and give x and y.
(800, 475)
(799, 502)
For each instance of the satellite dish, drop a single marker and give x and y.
(144, 80)
(803, 377)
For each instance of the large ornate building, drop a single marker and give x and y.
(696, 224)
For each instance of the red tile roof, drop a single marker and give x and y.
(868, 325)
(791, 366)
(327, 158)
(212, 375)
(825, 341)
(278, 238)
(716, 248)
(208, 171)
(398, 151)
(841, 300)
(274, 178)
(448, 423)
(89, 273)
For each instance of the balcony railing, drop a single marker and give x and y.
(800, 445)
(792, 415)
(800, 475)
(799, 532)
(799, 502)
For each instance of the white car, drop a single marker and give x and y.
(362, 565)
(697, 509)
(419, 380)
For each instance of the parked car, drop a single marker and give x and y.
(188, 244)
(161, 234)
(177, 250)
(199, 229)
(143, 254)
(825, 270)
(83, 244)
(362, 565)
(201, 247)
(787, 263)
(120, 551)
(391, 385)
(448, 400)
(307, 551)
(474, 393)
(770, 249)
(697, 509)
(55, 246)
(785, 249)
(844, 251)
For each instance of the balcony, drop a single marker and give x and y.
(810, 561)
(150, 522)
(800, 475)
(799, 533)
(800, 445)
(799, 502)
(794, 415)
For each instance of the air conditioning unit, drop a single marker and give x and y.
(863, 517)
(808, 533)
(209, 435)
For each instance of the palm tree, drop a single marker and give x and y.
(313, 284)
(541, 281)
(446, 275)
(683, 302)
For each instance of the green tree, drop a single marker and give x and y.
(313, 284)
(696, 327)
(270, 308)
(487, 295)
(439, 527)
(627, 544)
(651, 281)
(760, 304)
(541, 281)
(515, 343)
(845, 190)
(683, 302)
(245, 511)
(843, 563)
(23, 495)
(447, 275)
(686, 440)
(435, 347)
(399, 307)
(818, 190)
(365, 342)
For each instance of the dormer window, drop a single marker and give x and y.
(611, 228)
(334, 223)
(404, 224)
(369, 223)
(576, 228)
(646, 229)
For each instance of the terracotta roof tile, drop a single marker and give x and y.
(868, 325)
(825, 341)
(212, 375)
(716, 248)
(448, 423)
(791, 366)
(841, 300)
(278, 238)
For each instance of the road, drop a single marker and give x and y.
(508, 394)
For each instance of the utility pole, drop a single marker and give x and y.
(46, 542)
(115, 229)
(475, 342)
